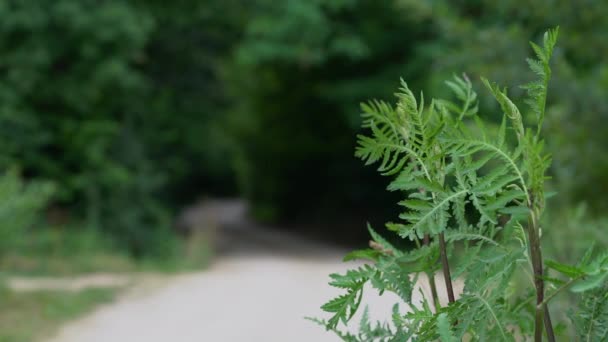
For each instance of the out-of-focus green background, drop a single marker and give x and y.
(129, 110)
(114, 115)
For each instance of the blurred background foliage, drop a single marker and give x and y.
(133, 109)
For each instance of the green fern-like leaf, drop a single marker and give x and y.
(344, 306)
(537, 90)
(479, 189)
(443, 328)
(591, 317)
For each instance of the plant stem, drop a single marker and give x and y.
(548, 324)
(431, 276)
(539, 284)
(544, 304)
(446, 268)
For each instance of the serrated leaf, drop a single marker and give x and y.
(344, 306)
(587, 256)
(477, 164)
(416, 204)
(505, 198)
(432, 186)
(365, 254)
(570, 271)
(517, 211)
(352, 279)
(590, 283)
(444, 329)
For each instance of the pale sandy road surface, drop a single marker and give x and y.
(260, 289)
(255, 299)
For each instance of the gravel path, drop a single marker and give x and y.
(240, 299)
(260, 291)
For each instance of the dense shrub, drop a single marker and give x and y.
(109, 100)
(21, 206)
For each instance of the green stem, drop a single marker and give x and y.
(542, 319)
(431, 276)
(446, 268)
(548, 324)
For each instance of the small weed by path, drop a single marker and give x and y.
(26, 317)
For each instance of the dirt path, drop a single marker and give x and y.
(254, 299)
(32, 284)
(260, 291)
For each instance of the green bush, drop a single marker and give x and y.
(67, 111)
(20, 208)
(27, 317)
(100, 98)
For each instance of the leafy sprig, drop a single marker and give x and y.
(472, 189)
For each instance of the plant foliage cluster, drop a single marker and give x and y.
(478, 193)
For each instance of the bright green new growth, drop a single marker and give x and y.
(474, 190)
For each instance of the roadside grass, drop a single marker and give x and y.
(53, 265)
(62, 252)
(33, 315)
(193, 253)
(33, 247)
(30, 316)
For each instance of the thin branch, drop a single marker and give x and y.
(560, 289)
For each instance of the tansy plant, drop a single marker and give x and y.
(473, 199)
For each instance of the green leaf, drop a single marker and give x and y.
(553, 280)
(416, 204)
(591, 316)
(570, 271)
(478, 164)
(518, 211)
(366, 254)
(345, 306)
(590, 283)
(352, 279)
(504, 198)
(444, 329)
(587, 256)
(456, 236)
